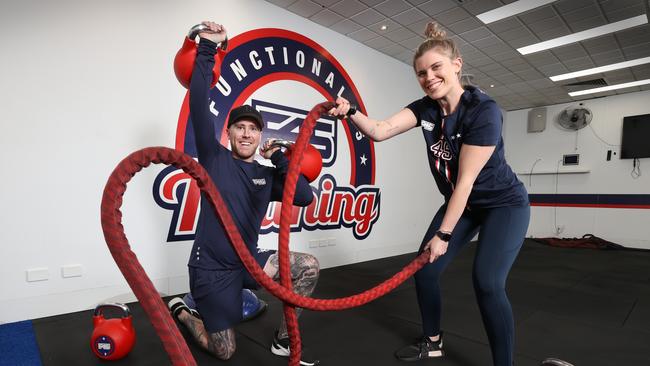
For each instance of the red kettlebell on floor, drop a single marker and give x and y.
(112, 339)
(312, 161)
(184, 60)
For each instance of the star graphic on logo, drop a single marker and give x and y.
(363, 159)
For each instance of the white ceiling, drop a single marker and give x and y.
(489, 51)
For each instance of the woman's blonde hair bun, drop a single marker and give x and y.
(434, 31)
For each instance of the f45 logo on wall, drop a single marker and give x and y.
(256, 60)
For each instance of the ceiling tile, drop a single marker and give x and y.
(587, 23)
(348, 8)
(519, 68)
(392, 7)
(624, 13)
(520, 87)
(466, 49)
(565, 6)
(492, 45)
(609, 57)
(600, 44)
(590, 11)
(406, 57)
(634, 36)
(434, 7)
(514, 61)
(476, 34)
(346, 26)
(305, 8)
(542, 58)
(505, 55)
(524, 41)
(412, 43)
(465, 25)
(515, 33)
(553, 69)
(504, 25)
(478, 7)
(579, 63)
(479, 61)
(400, 34)
(549, 28)
(542, 83)
(538, 14)
(529, 74)
(410, 16)
(417, 2)
(453, 15)
(393, 49)
(641, 72)
(368, 17)
(613, 7)
(638, 51)
(362, 35)
(326, 17)
(570, 51)
(419, 26)
(326, 3)
(378, 42)
(372, 2)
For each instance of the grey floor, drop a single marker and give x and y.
(589, 307)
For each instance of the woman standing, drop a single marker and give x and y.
(462, 131)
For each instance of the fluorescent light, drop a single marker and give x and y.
(610, 87)
(586, 34)
(511, 9)
(598, 70)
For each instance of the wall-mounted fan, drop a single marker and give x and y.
(574, 118)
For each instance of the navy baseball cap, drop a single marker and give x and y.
(245, 112)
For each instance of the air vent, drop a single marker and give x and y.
(594, 82)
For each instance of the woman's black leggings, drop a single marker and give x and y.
(501, 233)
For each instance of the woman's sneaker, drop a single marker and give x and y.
(280, 347)
(421, 349)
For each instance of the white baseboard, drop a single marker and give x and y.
(14, 310)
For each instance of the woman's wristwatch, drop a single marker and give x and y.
(351, 111)
(444, 236)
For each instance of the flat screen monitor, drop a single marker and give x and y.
(636, 137)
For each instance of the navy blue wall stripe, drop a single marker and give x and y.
(591, 200)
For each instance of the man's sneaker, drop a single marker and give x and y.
(280, 347)
(176, 305)
(421, 349)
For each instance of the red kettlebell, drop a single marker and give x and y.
(112, 339)
(184, 60)
(312, 161)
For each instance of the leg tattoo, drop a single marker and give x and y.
(304, 275)
(221, 344)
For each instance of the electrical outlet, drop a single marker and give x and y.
(313, 243)
(72, 270)
(38, 274)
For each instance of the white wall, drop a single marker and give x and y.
(84, 83)
(628, 227)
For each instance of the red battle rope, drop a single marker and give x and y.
(158, 314)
